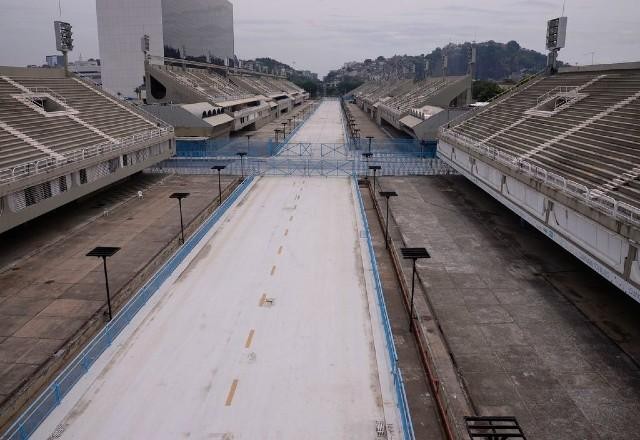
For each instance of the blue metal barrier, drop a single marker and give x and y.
(51, 397)
(403, 405)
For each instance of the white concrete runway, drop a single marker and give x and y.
(270, 330)
(324, 126)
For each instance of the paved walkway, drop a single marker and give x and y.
(521, 345)
(268, 331)
(49, 295)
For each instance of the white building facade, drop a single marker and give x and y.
(121, 25)
(198, 29)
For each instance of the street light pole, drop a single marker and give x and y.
(413, 254)
(387, 195)
(219, 168)
(370, 139)
(104, 252)
(242, 154)
(367, 156)
(249, 136)
(180, 196)
(375, 168)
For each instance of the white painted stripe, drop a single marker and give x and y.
(582, 125)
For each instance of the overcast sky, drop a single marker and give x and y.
(320, 35)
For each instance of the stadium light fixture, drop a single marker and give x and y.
(242, 154)
(219, 168)
(64, 41)
(179, 197)
(387, 195)
(375, 169)
(413, 254)
(105, 252)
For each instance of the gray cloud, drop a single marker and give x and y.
(323, 34)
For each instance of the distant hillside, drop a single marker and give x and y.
(495, 61)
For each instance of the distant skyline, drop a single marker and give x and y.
(322, 35)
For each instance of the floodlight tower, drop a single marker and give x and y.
(472, 55)
(64, 41)
(145, 46)
(556, 37)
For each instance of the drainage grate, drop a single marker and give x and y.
(494, 428)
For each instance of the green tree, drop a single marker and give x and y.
(484, 91)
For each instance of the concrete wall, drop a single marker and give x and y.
(608, 251)
(199, 27)
(121, 25)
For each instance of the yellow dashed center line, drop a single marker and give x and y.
(286, 232)
(291, 218)
(249, 339)
(273, 270)
(232, 392)
(280, 251)
(263, 298)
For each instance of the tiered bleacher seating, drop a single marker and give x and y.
(60, 134)
(418, 94)
(594, 141)
(386, 89)
(209, 84)
(257, 84)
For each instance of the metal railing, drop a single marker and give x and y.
(296, 166)
(28, 422)
(590, 197)
(47, 165)
(398, 382)
(565, 91)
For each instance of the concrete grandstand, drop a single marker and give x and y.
(251, 100)
(264, 279)
(62, 138)
(562, 151)
(415, 108)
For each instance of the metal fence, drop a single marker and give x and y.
(52, 396)
(391, 165)
(403, 405)
(216, 148)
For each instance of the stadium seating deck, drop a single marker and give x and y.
(93, 118)
(594, 141)
(416, 96)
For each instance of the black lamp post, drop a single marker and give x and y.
(367, 156)
(180, 196)
(249, 136)
(219, 168)
(104, 252)
(387, 195)
(413, 254)
(276, 131)
(370, 139)
(242, 154)
(284, 130)
(375, 168)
